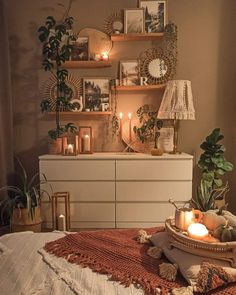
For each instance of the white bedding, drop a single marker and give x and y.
(24, 271)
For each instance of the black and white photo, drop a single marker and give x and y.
(154, 15)
(80, 49)
(96, 94)
(134, 20)
(129, 72)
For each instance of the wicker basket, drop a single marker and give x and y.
(222, 251)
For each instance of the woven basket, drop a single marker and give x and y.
(222, 251)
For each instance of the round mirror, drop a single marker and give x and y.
(117, 26)
(157, 68)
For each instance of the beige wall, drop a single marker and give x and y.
(206, 48)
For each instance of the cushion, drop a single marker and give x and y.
(202, 273)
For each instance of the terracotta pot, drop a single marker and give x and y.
(21, 221)
(157, 152)
(55, 147)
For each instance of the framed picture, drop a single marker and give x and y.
(155, 15)
(134, 20)
(96, 94)
(166, 139)
(129, 72)
(80, 49)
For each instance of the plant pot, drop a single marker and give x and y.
(157, 152)
(55, 146)
(21, 221)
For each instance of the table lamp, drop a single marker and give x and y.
(177, 104)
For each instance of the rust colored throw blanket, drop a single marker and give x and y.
(115, 253)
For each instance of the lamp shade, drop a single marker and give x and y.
(177, 101)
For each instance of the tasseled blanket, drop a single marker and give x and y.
(117, 254)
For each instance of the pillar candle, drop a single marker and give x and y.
(70, 149)
(130, 131)
(62, 223)
(121, 116)
(86, 143)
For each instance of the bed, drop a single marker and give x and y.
(27, 269)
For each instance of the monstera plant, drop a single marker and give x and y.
(56, 49)
(149, 129)
(213, 165)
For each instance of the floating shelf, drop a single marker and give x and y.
(86, 64)
(82, 113)
(138, 87)
(136, 37)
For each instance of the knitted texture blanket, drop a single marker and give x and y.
(117, 254)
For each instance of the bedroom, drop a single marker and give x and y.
(206, 57)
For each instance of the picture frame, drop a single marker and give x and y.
(166, 139)
(129, 72)
(155, 15)
(96, 94)
(134, 20)
(80, 49)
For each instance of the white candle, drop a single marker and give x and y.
(121, 116)
(70, 148)
(86, 143)
(130, 131)
(62, 223)
(197, 231)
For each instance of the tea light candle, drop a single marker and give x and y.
(197, 231)
(62, 223)
(70, 149)
(86, 143)
(104, 56)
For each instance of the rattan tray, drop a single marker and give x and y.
(222, 251)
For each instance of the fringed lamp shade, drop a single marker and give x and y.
(177, 104)
(177, 101)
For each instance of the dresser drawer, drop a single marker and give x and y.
(144, 212)
(85, 190)
(78, 169)
(153, 191)
(154, 169)
(83, 212)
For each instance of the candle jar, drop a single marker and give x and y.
(85, 140)
(185, 216)
(70, 143)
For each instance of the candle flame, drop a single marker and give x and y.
(121, 115)
(129, 116)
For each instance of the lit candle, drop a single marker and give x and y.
(121, 116)
(62, 223)
(130, 132)
(86, 143)
(70, 148)
(197, 231)
(104, 56)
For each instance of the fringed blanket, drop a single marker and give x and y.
(117, 254)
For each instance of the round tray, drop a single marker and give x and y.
(224, 251)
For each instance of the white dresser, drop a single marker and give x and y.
(111, 190)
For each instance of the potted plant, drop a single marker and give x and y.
(213, 165)
(22, 202)
(149, 129)
(56, 49)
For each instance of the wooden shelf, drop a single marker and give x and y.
(86, 64)
(82, 113)
(136, 37)
(138, 87)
